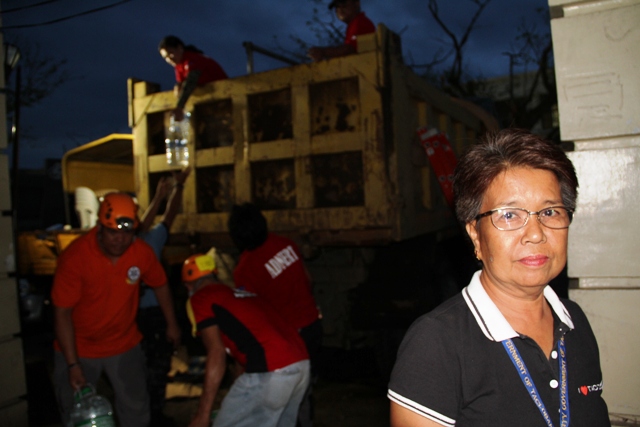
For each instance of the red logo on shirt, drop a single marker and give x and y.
(586, 389)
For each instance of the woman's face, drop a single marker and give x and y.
(173, 55)
(528, 257)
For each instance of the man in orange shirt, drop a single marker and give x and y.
(95, 297)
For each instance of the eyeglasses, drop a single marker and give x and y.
(509, 219)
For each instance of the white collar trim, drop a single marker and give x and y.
(490, 319)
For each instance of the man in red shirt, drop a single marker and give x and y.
(192, 69)
(276, 366)
(95, 300)
(271, 267)
(348, 11)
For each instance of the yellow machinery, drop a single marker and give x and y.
(102, 165)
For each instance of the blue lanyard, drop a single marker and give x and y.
(514, 354)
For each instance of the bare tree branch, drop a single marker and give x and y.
(454, 73)
(324, 26)
(41, 74)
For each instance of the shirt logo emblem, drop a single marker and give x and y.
(586, 389)
(281, 261)
(133, 275)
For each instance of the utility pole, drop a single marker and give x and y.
(13, 387)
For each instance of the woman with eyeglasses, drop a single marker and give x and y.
(506, 351)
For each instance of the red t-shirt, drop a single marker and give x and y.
(358, 26)
(275, 272)
(210, 69)
(253, 332)
(104, 296)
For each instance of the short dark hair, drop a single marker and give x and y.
(170, 41)
(500, 151)
(335, 3)
(247, 226)
(174, 42)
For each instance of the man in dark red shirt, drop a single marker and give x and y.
(271, 266)
(348, 11)
(275, 361)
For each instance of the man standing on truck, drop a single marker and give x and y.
(275, 362)
(349, 12)
(271, 266)
(192, 68)
(157, 349)
(95, 297)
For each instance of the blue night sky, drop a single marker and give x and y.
(105, 48)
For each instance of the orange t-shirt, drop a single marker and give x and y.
(104, 296)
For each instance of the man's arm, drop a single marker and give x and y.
(165, 301)
(214, 371)
(162, 191)
(186, 88)
(65, 334)
(175, 199)
(166, 187)
(177, 88)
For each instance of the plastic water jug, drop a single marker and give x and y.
(176, 139)
(91, 409)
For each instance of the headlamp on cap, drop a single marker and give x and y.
(118, 211)
(126, 224)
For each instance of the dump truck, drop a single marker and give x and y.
(331, 154)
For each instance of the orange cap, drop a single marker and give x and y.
(197, 266)
(118, 211)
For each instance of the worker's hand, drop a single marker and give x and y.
(316, 53)
(76, 377)
(178, 114)
(173, 335)
(179, 178)
(200, 420)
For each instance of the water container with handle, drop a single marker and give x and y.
(91, 409)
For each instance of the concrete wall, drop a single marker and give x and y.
(613, 314)
(598, 77)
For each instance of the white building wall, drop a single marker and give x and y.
(598, 77)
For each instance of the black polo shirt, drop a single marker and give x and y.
(453, 369)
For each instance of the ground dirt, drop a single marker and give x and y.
(348, 392)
